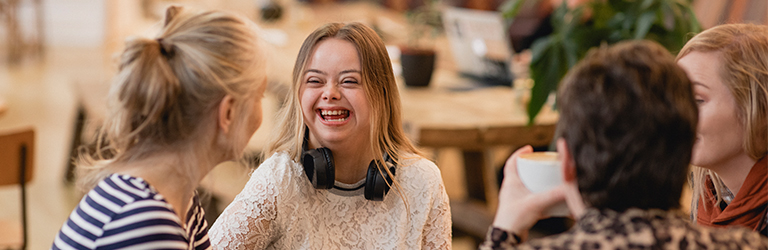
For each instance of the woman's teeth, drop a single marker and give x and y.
(334, 115)
(335, 112)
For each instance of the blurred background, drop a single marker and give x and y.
(57, 58)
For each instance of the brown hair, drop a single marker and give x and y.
(168, 88)
(744, 52)
(629, 118)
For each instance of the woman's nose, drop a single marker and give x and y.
(331, 92)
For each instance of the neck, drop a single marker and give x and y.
(734, 171)
(573, 199)
(351, 163)
(351, 157)
(173, 175)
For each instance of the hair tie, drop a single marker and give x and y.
(165, 49)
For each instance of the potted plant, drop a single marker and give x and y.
(418, 56)
(597, 22)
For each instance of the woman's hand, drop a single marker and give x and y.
(519, 209)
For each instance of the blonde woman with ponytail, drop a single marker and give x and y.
(181, 103)
(728, 65)
(340, 131)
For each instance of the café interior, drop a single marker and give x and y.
(57, 59)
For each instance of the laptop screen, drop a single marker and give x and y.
(479, 44)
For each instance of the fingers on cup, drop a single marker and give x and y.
(510, 167)
(550, 198)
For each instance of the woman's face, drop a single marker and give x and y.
(720, 134)
(332, 95)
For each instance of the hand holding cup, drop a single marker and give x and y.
(520, 208)
(540, 172)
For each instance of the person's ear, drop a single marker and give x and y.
(572, 196)
(226, 113)
(568, 165)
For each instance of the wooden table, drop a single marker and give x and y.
(445, 115)
(474, 121)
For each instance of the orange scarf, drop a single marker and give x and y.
(748, 207)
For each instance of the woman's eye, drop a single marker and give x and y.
(699, 101)
(350, 81)
(313, 80)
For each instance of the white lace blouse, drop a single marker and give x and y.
(279, 209)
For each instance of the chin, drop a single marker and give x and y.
(332, 137)
(695, 160)
(702, 163)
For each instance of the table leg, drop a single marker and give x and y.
(476, 213)
(474, 174)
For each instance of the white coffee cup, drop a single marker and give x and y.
(539, 172)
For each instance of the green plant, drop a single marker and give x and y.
(598, 22)
(424, 24)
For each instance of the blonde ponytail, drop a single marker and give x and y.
(145, 84)
(168, 88)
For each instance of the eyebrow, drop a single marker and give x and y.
(314, 71)
(701, 84)
(323, 73)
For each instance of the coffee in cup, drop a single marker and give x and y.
(539, 172)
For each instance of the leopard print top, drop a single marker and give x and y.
(635, 229)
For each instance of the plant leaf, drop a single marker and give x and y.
(546, 74)
(570, 52)
(538, 49)
(644, 24)
(510, 8)
(646, 4)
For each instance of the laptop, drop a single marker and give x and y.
(479, 45)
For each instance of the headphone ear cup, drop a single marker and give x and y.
(318, 166)
(373, 181)
(376, 186)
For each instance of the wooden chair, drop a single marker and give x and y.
(16, 168)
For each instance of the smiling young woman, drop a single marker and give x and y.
(728, 65)
(338, 150)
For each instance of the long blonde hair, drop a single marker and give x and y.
(168, 88)
(744, 52)
(386, 133)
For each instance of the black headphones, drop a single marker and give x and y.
(318, 165)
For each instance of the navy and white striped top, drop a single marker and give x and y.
(126, 212)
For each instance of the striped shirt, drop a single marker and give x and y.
(126, 212)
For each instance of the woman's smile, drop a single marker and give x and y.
(333, 116)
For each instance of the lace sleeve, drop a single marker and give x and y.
(247, 222)
(437, 230)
